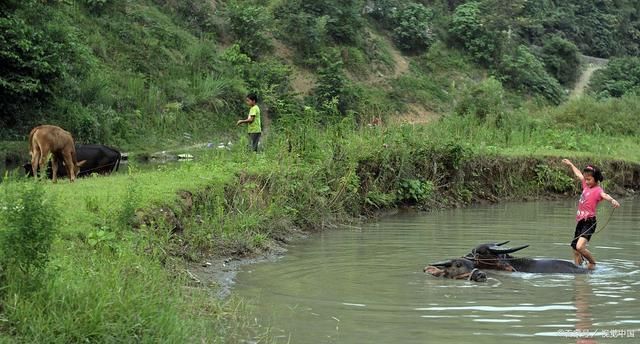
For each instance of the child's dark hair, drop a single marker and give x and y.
(595, 172)
(252, 96)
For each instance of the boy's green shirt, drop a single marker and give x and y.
(254, 127)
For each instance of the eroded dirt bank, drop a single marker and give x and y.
(212, 249)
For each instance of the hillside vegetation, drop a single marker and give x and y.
(143, 73)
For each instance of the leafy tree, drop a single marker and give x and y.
(306, 32)
(522, 70)
(483, 100)
(96, 6)
(411, 30)
(598, 28)
(344, 21)
(561, 59)
(507, 17)
(34, 59)
(621, 76)
(310, 25)
(333, 91)
(471, 29)
(384, 11)
(628, 27)
(199, 15)
(250, 25)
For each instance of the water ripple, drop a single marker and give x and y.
(367, 285)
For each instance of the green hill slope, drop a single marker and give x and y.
(143, 73)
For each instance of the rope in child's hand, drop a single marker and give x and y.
(598, 230)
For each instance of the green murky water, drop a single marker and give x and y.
(366, 285)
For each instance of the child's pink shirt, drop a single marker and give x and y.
(588, 201)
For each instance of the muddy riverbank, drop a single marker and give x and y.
(481, 180)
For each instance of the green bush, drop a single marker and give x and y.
(553, 179)
(594, 25)
(471, 29)
(414, 190)
(37, 51)
(250, 25)
(384, 11)
(411, 31)
(561, 59)
(333, 90)
(410, 24)
(198, 15)
(484, 100)
(613, 116)
(344, 21)
(621, 76)
(28, 219)
(96, 6)
(311, 25)
(306, 32)
(523, 71)
(380, 200)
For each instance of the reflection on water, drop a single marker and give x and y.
(367, 286)
(583, 295)
(9, 167)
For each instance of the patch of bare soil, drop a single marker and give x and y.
(416, 114)
(400, 63)
(302, 81)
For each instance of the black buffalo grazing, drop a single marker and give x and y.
(98, 159)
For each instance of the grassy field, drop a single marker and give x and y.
(114, 251)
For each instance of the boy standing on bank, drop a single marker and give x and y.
(592, 194)
(254, 127)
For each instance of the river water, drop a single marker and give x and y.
(366, 285)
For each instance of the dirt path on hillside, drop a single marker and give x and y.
(593, 64)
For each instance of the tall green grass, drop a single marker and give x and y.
(107, 277)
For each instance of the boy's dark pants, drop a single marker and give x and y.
(254, 138)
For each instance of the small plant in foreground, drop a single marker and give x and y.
(28, 227)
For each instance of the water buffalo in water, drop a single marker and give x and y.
(458, 268)
(496, 257)
(98, 159)
(49, 139)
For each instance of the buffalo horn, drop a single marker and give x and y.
(445, 263)
(506, 250)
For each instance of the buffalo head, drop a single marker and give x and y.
(493, 256)
(458, 268)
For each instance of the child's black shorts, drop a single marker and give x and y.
(585, 228)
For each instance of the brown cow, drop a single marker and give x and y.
(49, 139)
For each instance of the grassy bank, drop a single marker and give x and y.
(115, 265)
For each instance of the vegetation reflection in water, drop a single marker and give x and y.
(366, 285)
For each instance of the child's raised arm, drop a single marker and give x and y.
(575, 170)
